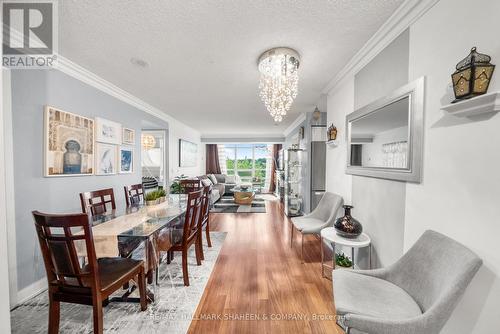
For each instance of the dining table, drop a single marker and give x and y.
(140, 232)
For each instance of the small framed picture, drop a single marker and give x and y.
(108, 131)
(126, 160)
(106, 160)
(128, 136)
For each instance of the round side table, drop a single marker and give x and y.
(331, 236)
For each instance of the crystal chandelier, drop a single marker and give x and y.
(279, 80)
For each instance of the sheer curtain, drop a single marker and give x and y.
(222, 158)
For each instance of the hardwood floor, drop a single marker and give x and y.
(258, 276)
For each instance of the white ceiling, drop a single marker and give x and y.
(202, 55)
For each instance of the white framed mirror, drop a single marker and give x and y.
(385, 137)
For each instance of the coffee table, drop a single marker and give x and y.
(243, 196)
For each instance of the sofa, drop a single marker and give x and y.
(221, 184)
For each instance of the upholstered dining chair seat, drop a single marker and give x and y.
(308, 225)
(370, 296)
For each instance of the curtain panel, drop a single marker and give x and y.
(212, 159)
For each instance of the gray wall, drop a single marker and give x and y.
(31, 91)
(380, 204)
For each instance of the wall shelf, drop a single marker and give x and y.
(332, 143)
(475, 106)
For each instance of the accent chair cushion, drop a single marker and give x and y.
(370, 296)
(308, 225)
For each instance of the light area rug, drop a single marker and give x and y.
(227, 205)
(172, 313)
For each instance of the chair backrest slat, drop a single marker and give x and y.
(207, 192)
(193, 214)
(57, 242)
(95, 202)
(134, 194)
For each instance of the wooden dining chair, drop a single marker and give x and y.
(134, 194)
(190, 232)
(205, 218)
(190, 185)
(95, 202)
(71, 282)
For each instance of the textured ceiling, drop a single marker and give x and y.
(202, 55)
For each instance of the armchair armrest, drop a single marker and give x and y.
(381, 273)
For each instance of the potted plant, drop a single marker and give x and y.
(175, 187)
(343, 260)
(151, 198)
(161, 194)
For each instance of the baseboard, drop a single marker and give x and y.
(31, 291)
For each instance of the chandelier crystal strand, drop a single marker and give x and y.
(279, 80)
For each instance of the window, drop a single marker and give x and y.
(251, 162)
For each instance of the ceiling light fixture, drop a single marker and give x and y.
(279, 80)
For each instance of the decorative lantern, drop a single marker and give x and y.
(148, 142)
(472, 76)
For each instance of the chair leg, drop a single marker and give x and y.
(141, 281)
(291, 235)
(200, 242)
(54, 315)
(198, 251)
(185, 267)
(169, 257)
(98, 320)
(207, 232)
(302, 247)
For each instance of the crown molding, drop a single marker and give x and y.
(78, 72)
(404, 16)
(301, 118)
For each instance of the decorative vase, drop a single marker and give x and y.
(162, 199)
(347, 226)
(295, 205)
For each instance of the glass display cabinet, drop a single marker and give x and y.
(294, 172)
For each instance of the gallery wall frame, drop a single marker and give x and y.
(188, 153)
(128, 136)
(68, 143)
(106, 159)
(107, 131)
(126, 160)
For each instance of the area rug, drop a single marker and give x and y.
(171, 314)
(227, 205)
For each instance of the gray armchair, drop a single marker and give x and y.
(415, 295)
(322, 216)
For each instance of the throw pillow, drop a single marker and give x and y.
(230, 179)
(212, 178)
(206, 182)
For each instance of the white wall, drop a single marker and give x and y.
(460, 192)
(4, 266)
(340, 103)
(178, 131)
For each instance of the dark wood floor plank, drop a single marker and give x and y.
(258, 275)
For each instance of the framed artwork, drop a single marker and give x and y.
(128, 136)
(107, 131)
(188, 153)
(126, 160)
(69, 143)
(106, 159)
